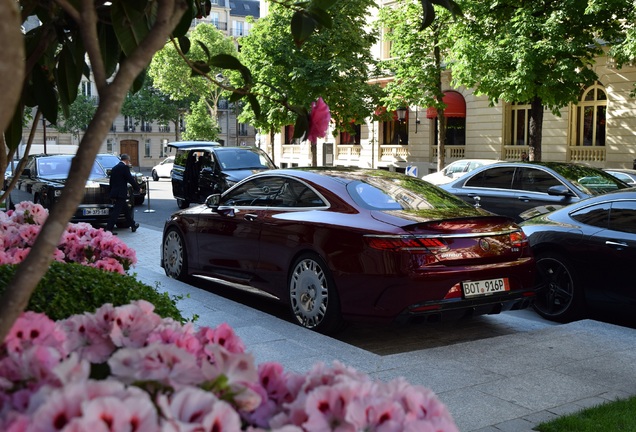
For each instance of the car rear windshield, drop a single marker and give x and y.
(590, 180)
(405, 193)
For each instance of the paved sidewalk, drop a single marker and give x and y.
(504, 383)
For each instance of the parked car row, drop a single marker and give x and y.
(344, 244)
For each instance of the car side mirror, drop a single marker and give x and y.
(560, 190)
(108, 171)
(213, 201)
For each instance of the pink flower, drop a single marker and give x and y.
(319, 119)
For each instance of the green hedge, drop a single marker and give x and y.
(69, 289)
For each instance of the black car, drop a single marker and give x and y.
(585, 253)
(512, 188)
(42, 182)
(203, 168)
(108, 161)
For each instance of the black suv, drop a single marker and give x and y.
(203, 168)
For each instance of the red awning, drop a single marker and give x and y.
(455, 106)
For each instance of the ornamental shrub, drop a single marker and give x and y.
(69, 289)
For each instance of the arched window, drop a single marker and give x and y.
(590, 117)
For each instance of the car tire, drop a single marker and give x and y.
(174, 256)
(183, 204)
(155, 177)
(560, 297)
(313, 299)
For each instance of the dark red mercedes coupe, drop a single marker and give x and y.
(348, 244)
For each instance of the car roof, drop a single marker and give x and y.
(194, 144)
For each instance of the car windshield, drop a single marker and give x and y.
(107, 161)
(591, 181)
(235, 159)
(57, 167)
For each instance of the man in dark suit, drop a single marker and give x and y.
(120, 178)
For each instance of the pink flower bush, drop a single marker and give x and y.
(319, 119)
(127, 369)
(81, 243)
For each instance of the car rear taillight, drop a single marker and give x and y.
(518, 239)
(398, 243)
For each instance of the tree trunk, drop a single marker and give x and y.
(535, 132)
(11, 65)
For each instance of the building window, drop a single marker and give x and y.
(214, 19)
(87, 89)
(129, 124)
(519, 124)
(163, 149)
(395, 131)
(590, 117)
(110, 144)
(351, 137)
(237, 28)
(147, 145)
(243, 129)
(455, 115)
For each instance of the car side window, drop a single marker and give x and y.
(594, 215)
(623, 216)
(297, 194)
(535, 180)
(260, 192)
(495, 178)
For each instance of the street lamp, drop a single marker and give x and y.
(401, 113)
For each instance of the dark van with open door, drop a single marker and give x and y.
(203, 168)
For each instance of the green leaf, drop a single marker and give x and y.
(69, 72)
(322, 17)
(139, 81)
(227, 61)
(302, 26)
(302, 122)
(131, 25)
(323, 4)
(428, 14)
(13, 134)
(204, 48)
(453, 7)
(186, 21)
(109, 47)
(184, 44)
(202, 68)
(256, 107)
(45, 94)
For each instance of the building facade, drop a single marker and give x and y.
(146, 142)
(600, 130)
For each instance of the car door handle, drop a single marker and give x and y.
(615, 244)
(523, 198)
(250, 217)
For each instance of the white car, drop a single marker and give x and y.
(163, 169)
(456, 169)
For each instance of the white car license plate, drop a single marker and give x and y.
(95, 212)
(485, 287)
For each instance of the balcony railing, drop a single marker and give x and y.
(392, 153)
(451, 153)
(586, 154)
(163, 128)
(348, 152)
